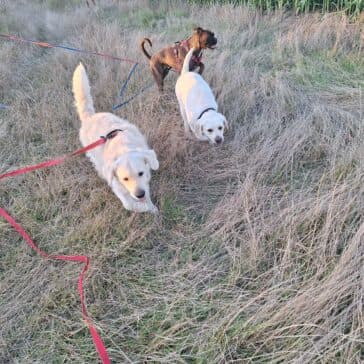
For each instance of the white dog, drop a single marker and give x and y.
(123, 161)
(198, 106)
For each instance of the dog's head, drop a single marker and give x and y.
(203, 38)
(213, 125)
(132, 170)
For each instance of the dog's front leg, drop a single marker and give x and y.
(126, 201)
(151, 207)
(146, 206)
(124, 198)
(185, 121)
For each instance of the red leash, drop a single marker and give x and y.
(70, 258)
(52, 162)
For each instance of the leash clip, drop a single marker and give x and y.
(111, 134)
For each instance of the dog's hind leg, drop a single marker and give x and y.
(159, 73)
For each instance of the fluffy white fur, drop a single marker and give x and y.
(123, 161)
(194, 96)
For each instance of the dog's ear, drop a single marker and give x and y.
(109, 170)
(199, 130)
(109, 173)
(226, 124)
(197, 30)
(151, 159)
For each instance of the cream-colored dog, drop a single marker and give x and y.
(123, 161)
(198, 106)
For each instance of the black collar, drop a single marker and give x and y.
(111, 134)
(206, 110)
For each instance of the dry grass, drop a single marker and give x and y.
(258, 253)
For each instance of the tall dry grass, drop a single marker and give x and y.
(350, 7)
(257, 256)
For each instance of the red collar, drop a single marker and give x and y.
(183, 43)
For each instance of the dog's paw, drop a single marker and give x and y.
(189, 136)
(154, 210)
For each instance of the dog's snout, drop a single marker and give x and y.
(218, 140)
(140, 194)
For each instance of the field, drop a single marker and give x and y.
(257, 255)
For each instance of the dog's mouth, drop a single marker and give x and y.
(138, 199)
(216, 142)
(211, 43)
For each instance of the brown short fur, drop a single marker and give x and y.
(172, 57)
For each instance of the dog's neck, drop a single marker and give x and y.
(189, 43)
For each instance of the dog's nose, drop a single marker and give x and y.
(140, 194)
(218, 140)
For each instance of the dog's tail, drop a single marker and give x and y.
(143, 49)
(81, 92)
(186, 62)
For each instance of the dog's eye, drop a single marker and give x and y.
(140, 174)
(126, 179)
(220, 127)
(209, 130)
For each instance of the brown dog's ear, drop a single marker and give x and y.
(198, 30)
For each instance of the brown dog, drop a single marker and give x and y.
(172, 57)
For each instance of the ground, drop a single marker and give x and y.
(257, 254)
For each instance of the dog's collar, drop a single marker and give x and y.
(111, 134)
(184, 44)
(206, 110)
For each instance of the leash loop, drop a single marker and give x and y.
(99, 346)
(123, 88)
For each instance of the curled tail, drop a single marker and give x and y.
(186, 62)
(143, 49)
(81, 93)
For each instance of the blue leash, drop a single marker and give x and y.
(72, 49)
(123, 88)
(127, 79)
